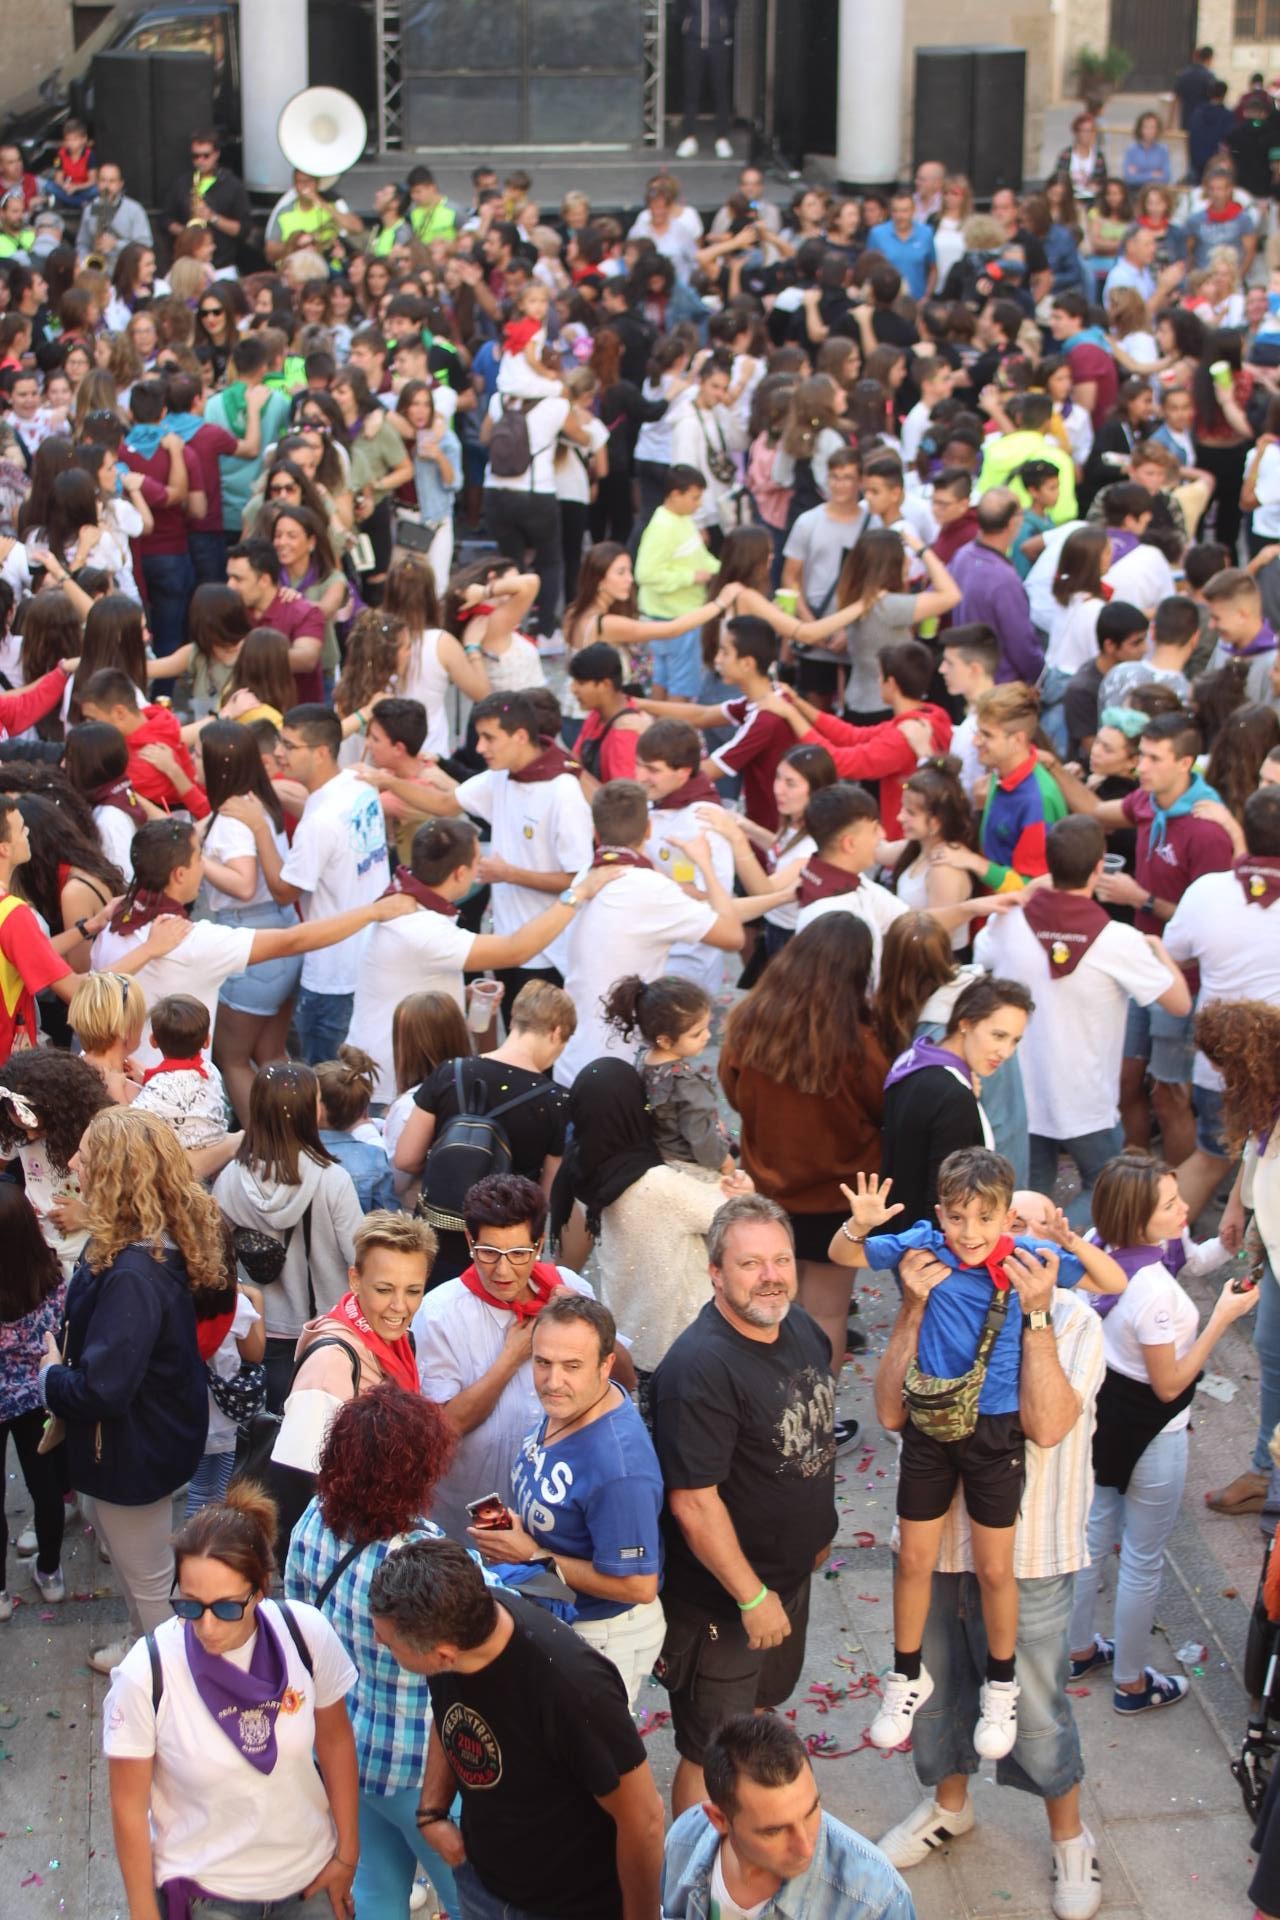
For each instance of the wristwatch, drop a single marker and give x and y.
(1037, 1321)
(570, 899)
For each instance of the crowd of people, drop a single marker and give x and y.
(400, 1176)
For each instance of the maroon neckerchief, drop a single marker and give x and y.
(1259, 875)
(697, 790)
(619, 857)
(119, 793)
(822, 881)
(402, 881)
(549, 765)
(194, 1065)
(1065, 924)
(143, 908)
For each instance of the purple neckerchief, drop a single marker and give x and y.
(178, 1896)
(1122, 542)
(1171, 1254)
(243, 1705)
(921, 1054)
(1263, 641)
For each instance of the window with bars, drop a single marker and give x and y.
(1258, 19)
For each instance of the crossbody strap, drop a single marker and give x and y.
(991, 1328)
(286, 1614)
(336, 1575)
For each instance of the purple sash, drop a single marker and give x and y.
(244, 1705)
(1263, 641)
(925, 1053)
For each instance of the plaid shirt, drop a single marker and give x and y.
(390, 1709)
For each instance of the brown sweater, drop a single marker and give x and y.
(798, 1147)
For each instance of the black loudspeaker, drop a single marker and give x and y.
(969, 107)
(806, 41)
(181, 104)
(122, 121)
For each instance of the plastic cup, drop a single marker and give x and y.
(787, 598)
(483, 1000)
(1113, 863)
(1220, 374)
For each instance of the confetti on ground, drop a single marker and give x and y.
(32, 1880)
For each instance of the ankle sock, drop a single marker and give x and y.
(1000, 1669)
(907, 1664)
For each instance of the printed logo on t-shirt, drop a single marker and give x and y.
(805, 1433)
(528, 829)
(470, 1747)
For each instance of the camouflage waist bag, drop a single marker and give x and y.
(948, 1409)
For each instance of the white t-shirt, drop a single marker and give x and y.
(1143, 577)
(629, 928)
(214, 1818)
(1152, 1311)
(339, 860)
(914, 428)
(116, 831)
(425, 679)
(541, 825)
(226, 1364)
(229, 840)
(1073, 637)
(1074, 1042)
(544, 422)
(423, 953)
(209, 955)
(1266, 484)
(871, 902)
(723, 1904)
(573, 464)
(691, 960)
(964, 745)
(1237, 945)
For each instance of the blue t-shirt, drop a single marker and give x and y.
(595, 1495)
(912, 256)
(956, 1312)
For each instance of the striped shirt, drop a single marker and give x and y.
(1050, 1540)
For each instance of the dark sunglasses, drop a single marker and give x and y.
(212, 313)
(279, 493)
(220, 1609)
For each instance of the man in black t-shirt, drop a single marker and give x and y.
(560, 1814)
(210, 192)
(743, 1422)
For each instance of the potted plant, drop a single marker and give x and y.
(1099, 74)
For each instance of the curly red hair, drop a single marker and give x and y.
(1241, 1038)
(380, 1464)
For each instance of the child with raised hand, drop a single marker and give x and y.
(107, 1014)
(673, 1016)
(961, 1419)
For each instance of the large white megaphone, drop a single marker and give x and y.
(322, 131)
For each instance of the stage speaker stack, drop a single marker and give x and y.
(969, 109)
(146, 106)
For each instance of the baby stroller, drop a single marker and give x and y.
(1261, 1676)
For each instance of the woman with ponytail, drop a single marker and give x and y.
(231, 1761)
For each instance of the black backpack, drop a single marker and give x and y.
(470, 1145)
(510, 451)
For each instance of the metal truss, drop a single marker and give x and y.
(654, 50)
(390, 96)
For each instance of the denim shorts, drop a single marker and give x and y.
(1164, 1040)
(263, 988)
(1207, 1102)
(677, 664)
(1046, 1759)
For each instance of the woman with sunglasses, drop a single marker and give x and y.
(132, 1390)
(231, 1763)
(217, 325)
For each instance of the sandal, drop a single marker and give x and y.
(1247, 1493)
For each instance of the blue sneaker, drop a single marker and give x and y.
(1102, 1654)
(1161, 1690)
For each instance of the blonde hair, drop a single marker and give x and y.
(138, 1186)
(399, 1232)
(1223, 260)
(1014, 707)
(540, 1007)
(107, 1007)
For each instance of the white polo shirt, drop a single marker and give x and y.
(630, 927)
(423, 953)
(871, 902)
(542, 825)
(1074, 1042)
(338, 860)
(691, 961)
(209, 955)
(1237, 945)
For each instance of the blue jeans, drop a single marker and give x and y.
(390, 1844)
(677, 664)
(292, 1908)
(320, 1021)
(1141, 1520)
(209, 557)
(171, 580)
(1090, 1151)
(475, 1902)
(1266, 1344)
(1046, 1758)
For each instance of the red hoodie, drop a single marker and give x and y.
(881, 753)
(159, 728)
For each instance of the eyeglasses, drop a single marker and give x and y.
(517, 1256)
(220, 1609)
(280, 493)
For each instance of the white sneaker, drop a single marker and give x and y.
(724, 149)
(1075, 1879)
(688, 147)
(552, 645)
(418, 1897)
(107, 1659)
(924, 1831)
(997, 1727)
(898, 1705)
(26, 1545)
(6, 1606)
(51, 1587)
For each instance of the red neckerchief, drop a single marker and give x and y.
(1231, 211)
(619, 857)
(994, 1262)
(1065, 924)
(473, 612)
(1008, 781)
(119, 793)
(696, 790)
(549, 765)
(210, 1334)
(402, 881)
(143, 908)
(194, 1065)
(395, 1357)
(1259, 875)
(822, 881)
(544, 1279)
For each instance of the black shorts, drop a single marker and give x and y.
(990, 1465)
(711, 1673)
(814, 1233)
